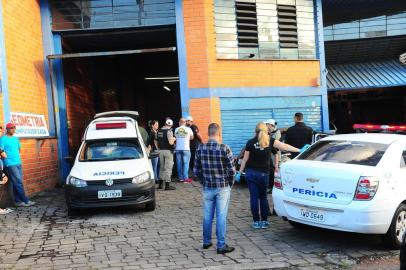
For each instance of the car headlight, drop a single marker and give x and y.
(76, 182)
(146, 176)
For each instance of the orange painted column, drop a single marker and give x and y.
(204, 112)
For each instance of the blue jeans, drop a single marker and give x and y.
(15, 174)
(258, 184)
(154, 162)
(182, 163)
(215, 200)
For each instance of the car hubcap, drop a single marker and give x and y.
(401, 225)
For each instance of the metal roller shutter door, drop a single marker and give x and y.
(238, 126)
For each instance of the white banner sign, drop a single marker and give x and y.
(29, 125)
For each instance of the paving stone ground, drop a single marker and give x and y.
(43, 237)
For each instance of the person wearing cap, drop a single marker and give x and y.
(195, 142)
(166, 143)
(11, 145)
(275, 133)
(183, 136)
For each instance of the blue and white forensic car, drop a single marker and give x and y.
(353, 182)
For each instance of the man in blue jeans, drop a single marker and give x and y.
(215, 169)
(11, 146)
(183, 136)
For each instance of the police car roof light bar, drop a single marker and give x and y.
(111, 126)
(379, 127)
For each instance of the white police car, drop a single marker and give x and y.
(354, 183)
(112, 166)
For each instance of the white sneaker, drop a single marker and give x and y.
(29, 203)
(18, 204)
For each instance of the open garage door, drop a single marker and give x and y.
(371, 106)
(119, 71)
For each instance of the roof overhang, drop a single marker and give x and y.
(341, 11)
(373, 74)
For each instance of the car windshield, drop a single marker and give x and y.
(348, 152)
(112, 149)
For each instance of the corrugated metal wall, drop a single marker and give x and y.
(239, 116)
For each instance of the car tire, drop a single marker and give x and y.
(297, 225)
(150, 206)
(73, 211)
(397, 229)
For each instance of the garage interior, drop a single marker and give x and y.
(377, 106)
(147, 82)
(366, 84)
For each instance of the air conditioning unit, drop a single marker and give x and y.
(402, 58)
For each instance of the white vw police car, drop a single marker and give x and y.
(112, 167)
(354, 183)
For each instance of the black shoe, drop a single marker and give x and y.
(206, 246)
(225, 249)
(169, 187)
(160, 184)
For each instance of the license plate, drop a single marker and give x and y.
(108, 194)
(314, 215)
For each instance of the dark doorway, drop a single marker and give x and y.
(385, 106)
(143, 82)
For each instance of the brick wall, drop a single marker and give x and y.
(79, 100)
(39, 164)
(26, 86)
(205, 70)
(195, 37)
(204, 112)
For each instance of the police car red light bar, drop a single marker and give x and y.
(379, 127)
(111, 126)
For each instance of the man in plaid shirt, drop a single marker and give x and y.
(214, 167)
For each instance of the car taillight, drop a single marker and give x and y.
(278, 182)
(111, 125)
(366, 189)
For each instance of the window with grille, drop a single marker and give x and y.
(287, 21)
(247, 28)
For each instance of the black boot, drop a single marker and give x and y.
(160, 184)
(168, 186)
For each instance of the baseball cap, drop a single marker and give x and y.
(169, 122)
(271, 122)
(10, 126)
(189, 118)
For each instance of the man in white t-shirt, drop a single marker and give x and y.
(183, 136)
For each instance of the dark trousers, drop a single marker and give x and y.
(192, 159)
(271, 177)
(258, 184)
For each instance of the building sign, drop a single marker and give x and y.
(29, 125)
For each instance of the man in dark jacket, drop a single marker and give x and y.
(298, 135)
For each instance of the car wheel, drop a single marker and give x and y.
(397, 229)
(73, 211)
(298, 225)
(150, 206)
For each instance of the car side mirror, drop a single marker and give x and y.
(153, 155)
